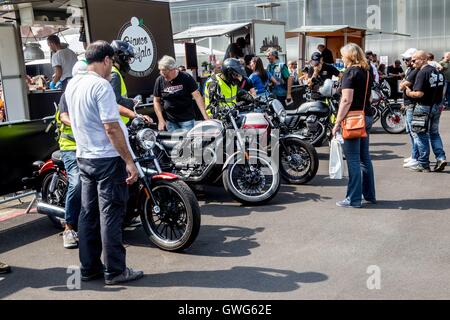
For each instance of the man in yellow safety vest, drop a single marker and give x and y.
(123, 56)
(222, 88)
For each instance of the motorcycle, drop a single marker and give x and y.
(298, 159)
(216, 149)
(167, 207)
(314, 119)
(392, 118)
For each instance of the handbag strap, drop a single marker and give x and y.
(367, 89)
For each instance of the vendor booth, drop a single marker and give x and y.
(260, 35)
(335, 37)
(25, 68)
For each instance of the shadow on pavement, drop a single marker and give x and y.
(384, 155)
(325, 181)
(26, 233)
(249, 278)
(255, 279)
(212, 241)
(214, 203)
(409, 204)
(54, 278)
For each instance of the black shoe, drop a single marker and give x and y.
(420, 168)
(93, 276)
(4, 268)
(370, 201)
(440, 165)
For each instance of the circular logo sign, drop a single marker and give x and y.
(140, 37)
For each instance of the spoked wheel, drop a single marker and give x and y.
(254, 181)
(298, 161)
(56, 198)
(376, 113)
(176, 224)
(394, 121)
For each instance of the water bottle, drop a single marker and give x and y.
(339, 138)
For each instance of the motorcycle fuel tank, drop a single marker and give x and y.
(317, 108)
(208, 128)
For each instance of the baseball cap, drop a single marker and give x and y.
(409, 53)
(315, 58)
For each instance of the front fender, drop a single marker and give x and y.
(165, 176)
(230, 158)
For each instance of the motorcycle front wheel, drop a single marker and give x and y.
(299, 161)
(254, 181)
(393, 120)
(57, 197)
(176, 224)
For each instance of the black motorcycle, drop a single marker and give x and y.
(167, 207)
(314, 119)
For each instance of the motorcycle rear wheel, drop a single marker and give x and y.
(300, 155)
(177, 224)
(58, 198)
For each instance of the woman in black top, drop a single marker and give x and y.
(356, 96)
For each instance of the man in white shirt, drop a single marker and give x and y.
(106, 168)
(63, 60)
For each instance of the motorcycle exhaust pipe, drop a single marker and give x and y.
(51, 210)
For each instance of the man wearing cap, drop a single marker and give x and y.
(320, 71)
(409, 104)
(280, 72)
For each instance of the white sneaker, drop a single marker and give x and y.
(407, 160)
(411, 163)
(70, 239)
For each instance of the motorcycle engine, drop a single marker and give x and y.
(312, 124)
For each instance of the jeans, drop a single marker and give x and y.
(104, 196)
(409, 117)
(423, 139)
(73, 197)
(186, 125)
(447, 93)
(360, 169)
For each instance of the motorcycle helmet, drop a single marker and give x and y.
(123, 54)
(326, 89)
(233, 71)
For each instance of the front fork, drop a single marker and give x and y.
(146, 181)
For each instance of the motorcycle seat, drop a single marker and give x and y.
(57, 159)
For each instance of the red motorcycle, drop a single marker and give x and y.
(167, 207)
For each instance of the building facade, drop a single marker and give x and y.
(426, 22)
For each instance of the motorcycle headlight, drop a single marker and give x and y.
(282, 116)
(279, 110)
(146, 139)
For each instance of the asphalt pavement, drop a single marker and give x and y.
(300, 246)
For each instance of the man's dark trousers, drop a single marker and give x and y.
(104, 196)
